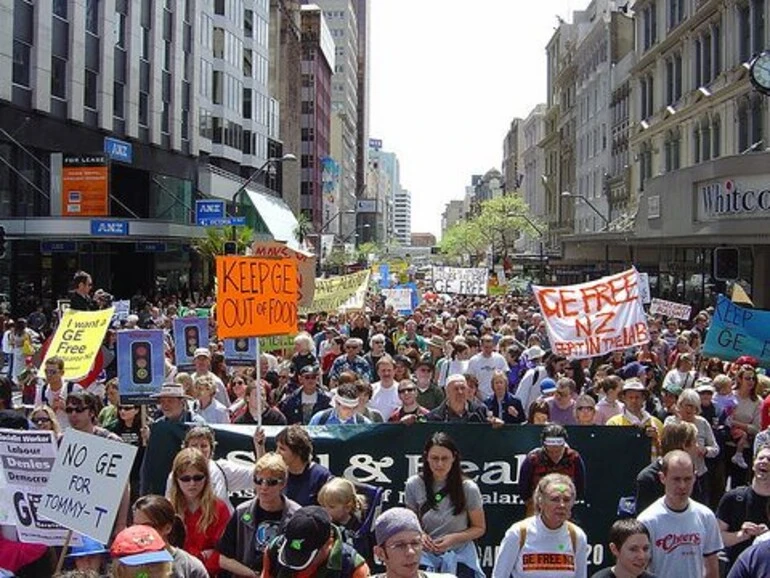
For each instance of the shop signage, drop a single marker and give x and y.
(150, 247)
(85, 186)
(653, 207)
(366, 206)
(108, 228)
(747, 197)
(47, 247)
(206, 209)
(118, 150)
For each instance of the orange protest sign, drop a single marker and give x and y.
(256, 297)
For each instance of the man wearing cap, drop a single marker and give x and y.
(669, 395)
(429, 394)
(529, 386)
(344, 411)
(398, 537)
(173, 405)
(485, 363)
(312, 546)
(202, 361)
(554, 456)
(308, 400)
(634, 393)
(457, 407)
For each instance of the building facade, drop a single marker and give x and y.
(107, 89)
(512, 147)
(452, 215)
(402, 217)
(533, 168)
(317, 66)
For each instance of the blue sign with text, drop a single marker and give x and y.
(737, 331)
(58, 247)
(118, 150)
(109, 228)
(150, 247)
(207, 210)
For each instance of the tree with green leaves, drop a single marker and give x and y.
(213, 243)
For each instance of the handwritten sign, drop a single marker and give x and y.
(277, 343)
(141, 365)
(306, 263)
(459, 280)
(28, 458)
(737, 331)
(342, 292)
(77, 341)
(190, 333)
(87, 482)
(670, 309)
(594, 318)
(400, 299)
(644, 288)
(256, 297)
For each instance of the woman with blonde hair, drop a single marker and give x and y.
(45, 418)
(205, 516)
(304, 346)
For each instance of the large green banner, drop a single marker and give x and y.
(387, 454)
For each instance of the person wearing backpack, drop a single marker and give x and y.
(312, 546)
(53, 391)
(546, 545)
(343, 412)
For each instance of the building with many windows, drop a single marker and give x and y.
(512, 147)
(533, 168)
(452, 215)
(98, 138)
(402, 217)
(699, 144)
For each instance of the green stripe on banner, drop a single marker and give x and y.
(387, 454)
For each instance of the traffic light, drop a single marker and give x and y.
(2, 242)
(231, 248)
(241, 345)
(191, 339)
(727, 263)
(141, 362)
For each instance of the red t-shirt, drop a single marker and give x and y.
(765, 413)
(196, 542)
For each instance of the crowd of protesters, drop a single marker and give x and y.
(701, 505)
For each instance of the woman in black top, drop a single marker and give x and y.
(128, 426)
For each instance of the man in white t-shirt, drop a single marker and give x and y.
(53, 391)
(485, 362)
(684, 533)
(385, 397)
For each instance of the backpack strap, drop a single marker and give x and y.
(522, 537)
(572, 536)
(327, 413)
(224, 476)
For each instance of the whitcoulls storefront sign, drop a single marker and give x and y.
(730, 198)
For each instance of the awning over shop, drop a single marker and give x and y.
(277, 215)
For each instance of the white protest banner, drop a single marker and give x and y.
(594, 318)
(122, 309)
(644, 288)
(87, 483)
(463, 281)
(670, 309)
(28, 458)
(400, 299)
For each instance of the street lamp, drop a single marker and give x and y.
(540, 234)
(252, 177)
(568, 194)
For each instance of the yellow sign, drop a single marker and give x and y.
(343, 292)
(77, 341)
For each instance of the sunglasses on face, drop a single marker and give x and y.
(195, 478)
(40, 420)
(407, 390)
(75, 409)
(269, 482)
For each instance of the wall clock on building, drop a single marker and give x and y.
(759, 72)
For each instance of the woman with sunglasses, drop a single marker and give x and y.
(43, 417)
(743, 422)
(259, 520)
(128, 427)
(204, 515)
(449, 507)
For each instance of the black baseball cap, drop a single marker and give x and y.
(306, 533)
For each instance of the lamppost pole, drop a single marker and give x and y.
(540, 235)
(248, 181)
(567, 194)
